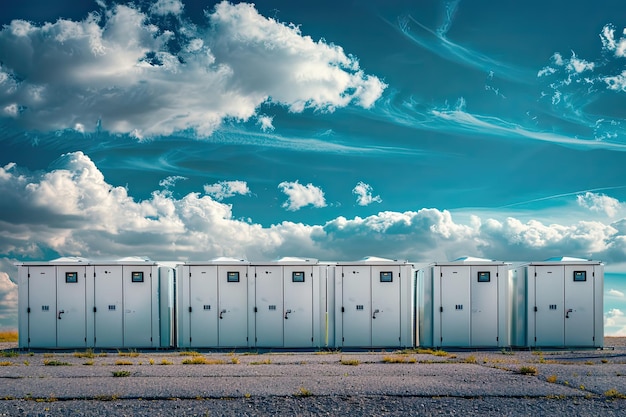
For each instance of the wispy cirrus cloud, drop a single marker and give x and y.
(437, 42)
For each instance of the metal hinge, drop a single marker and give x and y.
(190, 309)
(28, 311)
(343, 310)
(441, 309)
(535, 309)
(94, 309)
(255, 309)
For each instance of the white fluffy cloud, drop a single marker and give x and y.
(73, 210)
(165, 7)
(117, 71)
(364, 196)
(615, 293)
(226, 189)
(299, 195)
(599, 203)
(615, 323)
(8, 302)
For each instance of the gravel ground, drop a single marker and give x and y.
(419, 382)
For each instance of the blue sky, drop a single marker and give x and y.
(413, 130)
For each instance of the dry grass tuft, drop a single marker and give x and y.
(398, 359)
(528, 370)
(9, 336)
(201, 360)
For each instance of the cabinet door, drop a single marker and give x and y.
(385, 315)
(108, 327)
(357, 306)
(203, 306)
(484, 306)
(233, 306)
(138, 314)
(579, 305)
(71, 309)
(455, 303)
(42, 306)
(269, 305)
(549, 310)
(298, 306)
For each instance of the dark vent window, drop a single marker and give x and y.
(580, 275)
(297, 276)
(232, 276)
(484, 276)
(71, 277)
(137, 276)
(386, 276)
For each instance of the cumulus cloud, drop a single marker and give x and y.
(299, 195)
(226, 189)
(165, 7)
(8, 302)
(599, 203)
(364, 196)
(73, 210)
(615, 323)
(117, 70)
(615, 293)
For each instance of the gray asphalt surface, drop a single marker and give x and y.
(152, 383)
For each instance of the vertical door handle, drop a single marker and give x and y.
(222, 312)
(286, 314)
(375, 311)
(60, 312)
(569, 310)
